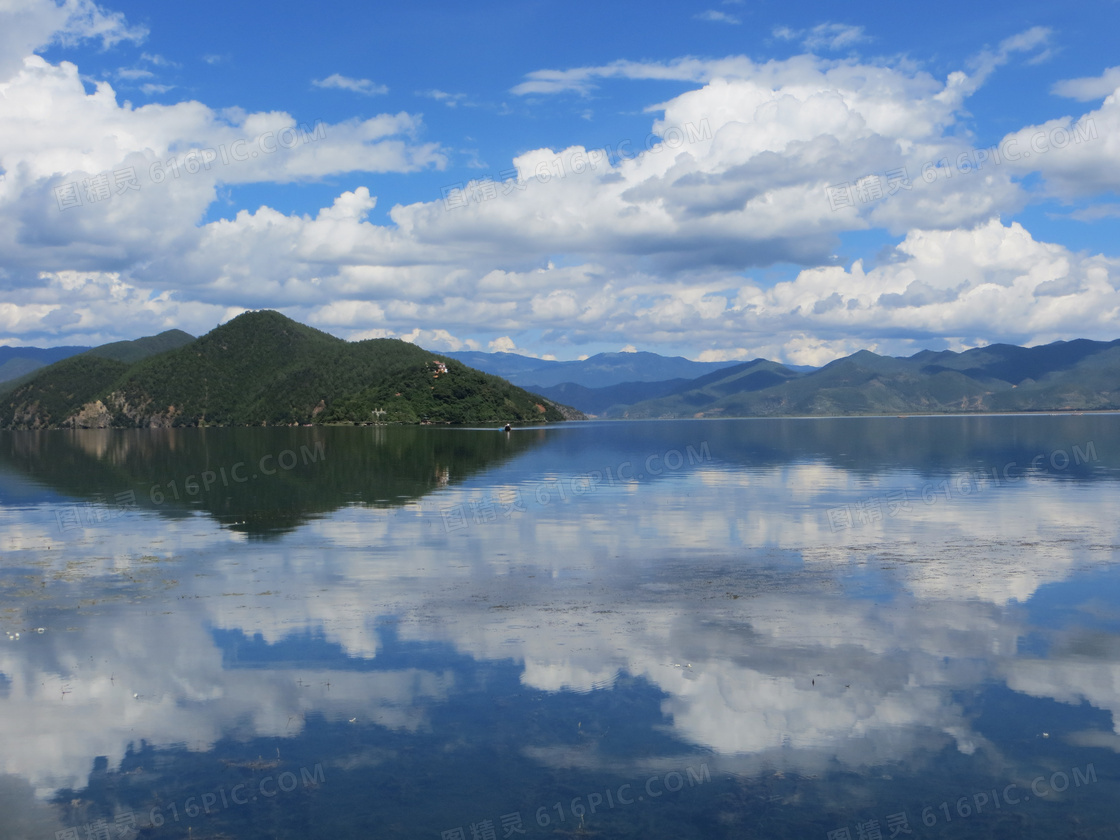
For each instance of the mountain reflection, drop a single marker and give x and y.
(261, 481)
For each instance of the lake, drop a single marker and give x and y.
(839, 629)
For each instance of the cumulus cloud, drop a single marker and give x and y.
(757, 164)
(1077, 156)
(150, 172)
(366, 87)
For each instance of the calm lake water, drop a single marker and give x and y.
(837, 628)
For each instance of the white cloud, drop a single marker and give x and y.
(1096, 212)
(583, 79)
(824, 37)
(713, 16)
(451, 100)
(363, 86)
(157, 60)
(27, 26)
(1035, 38)
(834, 36)
(1077, 156)
(131, 73)
(660, 243)
(1089, 88)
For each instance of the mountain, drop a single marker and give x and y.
(601, 401)
(506, 365)
(1074, 375)
(599, 371)
(359, 469)
(20, 361)
(262, 368)
(682, 396)
(141, 348)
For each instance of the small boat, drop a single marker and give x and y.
(508, 428)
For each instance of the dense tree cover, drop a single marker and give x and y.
(58, 391)
(262, 368)
(187, 469)
(141, 348)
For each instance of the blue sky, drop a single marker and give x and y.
(717, 180)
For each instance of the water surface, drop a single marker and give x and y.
(824, 628)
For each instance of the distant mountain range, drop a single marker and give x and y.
(262, 368)
(599, 371)
(16, 363)
(20, 361)
(1078, 375)
(1070, 375)
(284, 372)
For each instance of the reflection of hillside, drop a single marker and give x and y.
(261, 481)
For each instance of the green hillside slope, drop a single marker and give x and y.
(141, 348)
(262, 368)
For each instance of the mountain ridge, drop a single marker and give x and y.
(262, 368)
(599, 371)
(1080, 375)
(269, 377)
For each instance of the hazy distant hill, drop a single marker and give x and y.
(1074, 375)
(262, 368)
(681, 397)
(601, 401)
(506, 365)
(599, 371)
(141, 348)
(20, 361)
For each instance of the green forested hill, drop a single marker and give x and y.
(141, 348)
(262, 368)
(23, 363)
(57, 391)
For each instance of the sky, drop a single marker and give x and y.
(718, 180)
